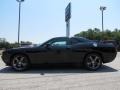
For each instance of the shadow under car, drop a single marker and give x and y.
(59, 69)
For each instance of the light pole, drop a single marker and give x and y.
(19, 1)
(102, 8)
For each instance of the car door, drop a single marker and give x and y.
(75, 51)
(57, 51)
(52, 51)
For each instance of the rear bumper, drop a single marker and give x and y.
(109, 57)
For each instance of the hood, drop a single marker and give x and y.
(20, 48)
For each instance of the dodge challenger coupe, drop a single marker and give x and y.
(76, 50)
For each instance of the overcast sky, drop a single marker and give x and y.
(44, 19)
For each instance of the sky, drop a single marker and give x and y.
(45, 19)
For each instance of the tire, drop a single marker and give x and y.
(20, 62)
(93, 62)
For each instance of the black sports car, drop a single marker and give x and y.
(78, 50)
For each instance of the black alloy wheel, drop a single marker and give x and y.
(93, 62)
(20, 63)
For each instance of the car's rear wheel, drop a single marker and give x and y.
(20, 62)
(93, 62)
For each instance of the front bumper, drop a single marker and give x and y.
(6, 58)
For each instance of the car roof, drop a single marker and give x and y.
(59, 37)
(68, 37)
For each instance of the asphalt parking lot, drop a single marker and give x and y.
(62, 78)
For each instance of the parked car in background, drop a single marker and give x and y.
(76, 50)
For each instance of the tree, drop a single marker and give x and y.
(4, 44)
(96, 34)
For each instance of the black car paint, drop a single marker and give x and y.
(71, 53)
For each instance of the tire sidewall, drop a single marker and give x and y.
(27, 60)
(86, 58)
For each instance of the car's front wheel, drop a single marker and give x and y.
(93, 62)
(20, 62)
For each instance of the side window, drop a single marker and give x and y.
(73, 41)
(59, 43)
(78, 40)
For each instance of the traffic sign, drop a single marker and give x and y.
(68, 12)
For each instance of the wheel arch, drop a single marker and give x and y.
(19, 53)
(94, 52)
